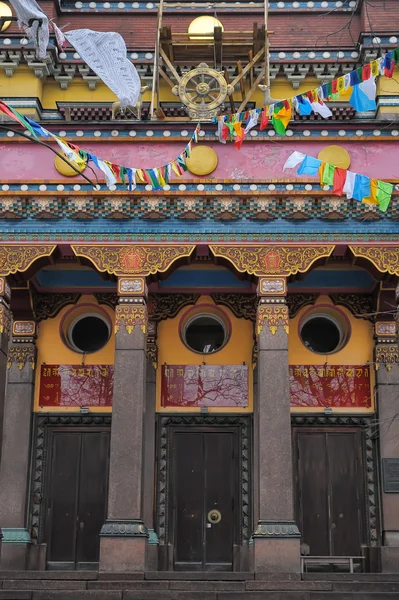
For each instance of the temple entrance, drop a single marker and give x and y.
(203, 514)
(76, 499)
(330, 507)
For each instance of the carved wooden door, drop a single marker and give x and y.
(77, 485)
(330, 507)
(203, 514)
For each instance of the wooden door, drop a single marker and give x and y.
(330, 504)
(77, 485)
(203, 514)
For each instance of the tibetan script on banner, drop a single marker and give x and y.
(76, 385)
(205, 385)
(346, 386)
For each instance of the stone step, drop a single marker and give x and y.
(191, 595)
(69, 575)
(200, 575)
(360, 577)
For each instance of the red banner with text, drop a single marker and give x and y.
(205, 385)
(336, 386)
(76, 385)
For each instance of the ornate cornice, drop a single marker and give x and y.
(133, 259)
(107, 298)
(16, 258)
(360, 305)
(272, 260)
(167, 306)
(241, 305)
(297, 301)
(384, 258)
(47, 306)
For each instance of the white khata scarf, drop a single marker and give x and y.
(38, 34)
(105, 54)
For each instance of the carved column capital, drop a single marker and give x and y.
(131, 311)
(22, 350)
(272, 311)
(386, 347)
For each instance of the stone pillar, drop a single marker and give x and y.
(387, 381)
(276, 536)
(149, 447)
(5, 330)
(15, 460)
(124, 535)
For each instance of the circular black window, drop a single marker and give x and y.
(89, 333)
(205, 334)
(321, 334)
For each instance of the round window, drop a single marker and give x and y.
(205, 334)
(88, 333)
(322, 334)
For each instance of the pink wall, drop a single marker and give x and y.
(258, 160)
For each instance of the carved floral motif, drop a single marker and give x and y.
(360, 305)
(274, 316)
(18, 258)
(167, 306)
(272, 260)
(130, 316)
(384, 258)
(131, 259)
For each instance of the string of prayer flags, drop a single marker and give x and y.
(356, 186)
(360, 84)
(157, 177)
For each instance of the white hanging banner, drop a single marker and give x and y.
(105, 54)
(38, 34)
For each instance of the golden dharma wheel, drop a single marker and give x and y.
(203, 90)
(5, 11)
(203, 160)
(64, 169)
(336, 156)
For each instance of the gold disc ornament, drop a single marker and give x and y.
(336, 156)
(64, 169)
(203, 160)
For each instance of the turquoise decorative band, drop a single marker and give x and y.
(152, 538)
(15, 535)
(124, 528)
(276, 529)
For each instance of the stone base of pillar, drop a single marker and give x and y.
(123, 545)
(14, 557)
(277, 547)
(277, 555)
(390, 559)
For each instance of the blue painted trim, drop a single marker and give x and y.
(88, 278)
(196, 229)
(334, 279)
(219, 278)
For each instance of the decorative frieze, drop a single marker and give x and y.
(133, 259)
(16, 258)
(167, 306)
(241, 305)
(272, 260)
(297, 301)
(124, 528)
(384, 258)
(276, 529)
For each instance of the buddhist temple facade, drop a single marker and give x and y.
(203, 376)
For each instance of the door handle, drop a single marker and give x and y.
(214, 516)
(81, 525)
